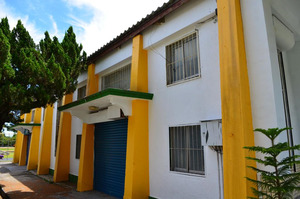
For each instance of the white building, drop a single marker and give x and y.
(134, 127)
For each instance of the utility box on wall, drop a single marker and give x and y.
(211, 132)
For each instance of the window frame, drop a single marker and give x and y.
(79, 88)
(32, 116)
(167, 65)
(187, 171)
(111, 72)
(78, 146)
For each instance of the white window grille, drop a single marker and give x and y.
(117, 79)
(81, 92)
(186, 151)
(182, 61)
(32, 115)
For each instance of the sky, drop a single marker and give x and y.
(95, 22)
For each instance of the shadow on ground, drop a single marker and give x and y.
(18, 183)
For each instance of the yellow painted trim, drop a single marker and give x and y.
(35, 141)
(23, 150)
(236, 105)
(86, 162)
(17, 147)
(137, 155)
(45, 149)
(24, 139)
(62, 160)
(92, 81)
(139, 66)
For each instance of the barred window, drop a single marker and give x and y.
(117, 79)
(186, 151)
(182, 61)
(81, 92)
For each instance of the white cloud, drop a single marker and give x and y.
(6, 11)
(110, 18)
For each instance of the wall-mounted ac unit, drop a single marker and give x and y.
(211, 131)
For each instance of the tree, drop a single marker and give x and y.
(33, 75)
(280, 181)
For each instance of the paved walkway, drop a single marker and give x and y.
(18, 183)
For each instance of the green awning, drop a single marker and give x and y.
(105, 105)
(25, 128)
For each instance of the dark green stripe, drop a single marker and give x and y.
(73, 178)
(110, 91)
(27, 124)
(152, 197)
(51, 172)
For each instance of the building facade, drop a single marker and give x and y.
(136, 126)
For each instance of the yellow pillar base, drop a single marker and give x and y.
(34, 148)
(35, 142)
(23, 150)
(17, 147)
(86, 162)
(236, 105)
(45, 149)
(137, 158)
(62, 160)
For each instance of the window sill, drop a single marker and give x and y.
(184, 81)
(188, 174)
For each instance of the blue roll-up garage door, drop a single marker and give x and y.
(110, 157)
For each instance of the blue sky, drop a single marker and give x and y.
(95, 22)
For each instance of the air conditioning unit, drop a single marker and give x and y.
(211, 132)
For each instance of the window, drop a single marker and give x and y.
(182, 59)
(81, 92)
(32, 115)
(78, 145)
(117, 79)
(186, 151)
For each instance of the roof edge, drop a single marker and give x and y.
(136, 29)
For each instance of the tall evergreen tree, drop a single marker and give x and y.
(35, 75)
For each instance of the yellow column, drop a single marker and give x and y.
(86, 162)
(45, 149)
(62, 160)
(24, 139)
(235, 97)
(35, 141)
(137, 157)
(17, 147)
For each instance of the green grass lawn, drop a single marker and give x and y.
(7, 148)
(9, 152)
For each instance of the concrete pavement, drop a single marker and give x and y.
(18, 183)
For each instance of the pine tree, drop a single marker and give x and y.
(280, 181)
(35, 75)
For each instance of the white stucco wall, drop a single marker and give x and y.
(117, 58)
(292, 70)
(76, 129)
(52, 159)
(262, 61)
(183, 104)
